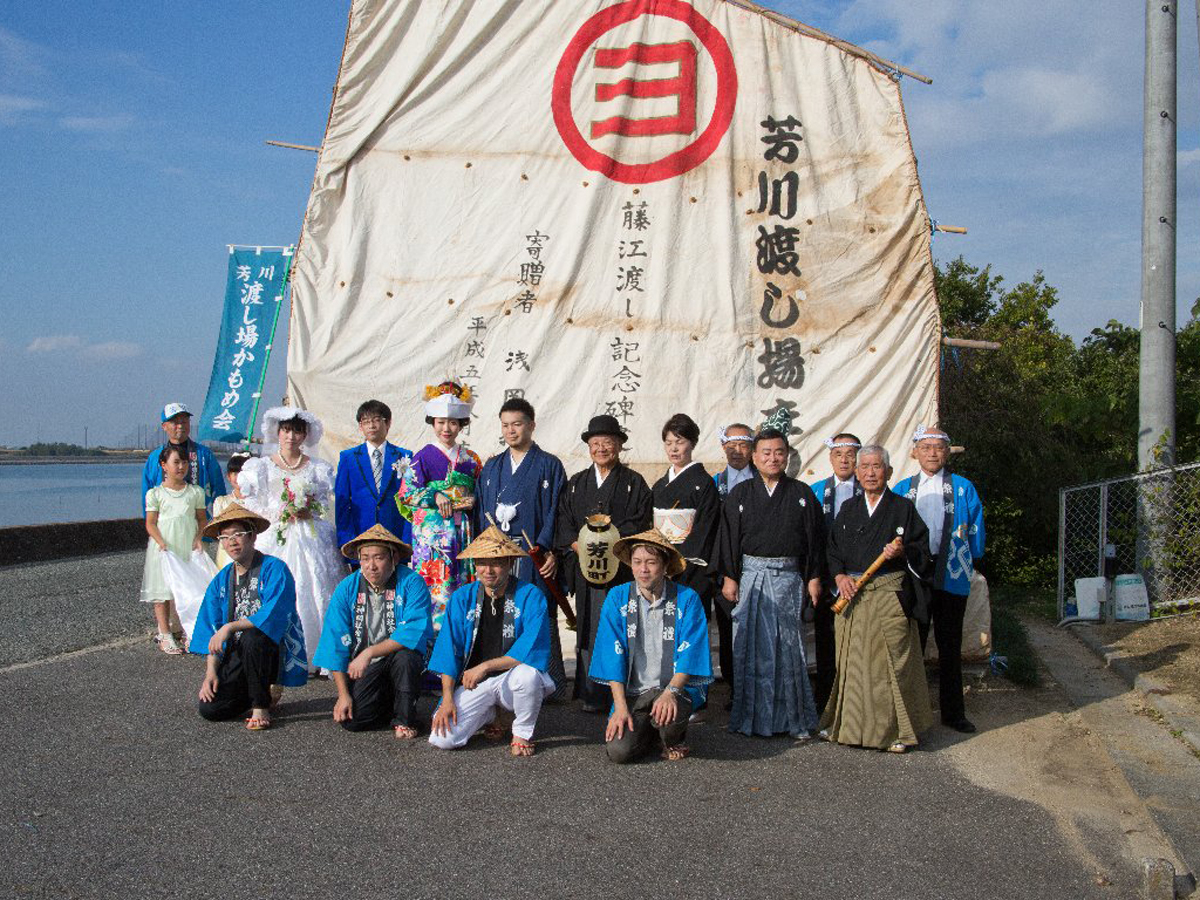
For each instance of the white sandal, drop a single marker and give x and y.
(168, 644)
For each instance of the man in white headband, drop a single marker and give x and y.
(737, 441)
(832, 492)
(953, 512)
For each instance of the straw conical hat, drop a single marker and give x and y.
(236, 513)
(623, 549)
(376, 534)
(492, 544)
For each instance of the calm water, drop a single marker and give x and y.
(41, 494)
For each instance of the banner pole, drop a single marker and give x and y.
(262, 379)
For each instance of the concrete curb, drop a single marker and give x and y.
(1180, 719)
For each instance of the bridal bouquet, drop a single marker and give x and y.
(299, 497)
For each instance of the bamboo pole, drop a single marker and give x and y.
(845, 46)
(969, 344)
(288, 146)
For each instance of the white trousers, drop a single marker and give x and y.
(520, 690)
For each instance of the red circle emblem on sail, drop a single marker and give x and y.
(672, 164)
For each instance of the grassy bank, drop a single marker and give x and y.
(1009, 637)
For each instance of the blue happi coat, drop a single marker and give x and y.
(963, 535)
(530, 640)
(276, 617)
(411, 607)
(533, 489)
(204, 469)
(610, 655)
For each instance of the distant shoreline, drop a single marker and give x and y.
(107, 459)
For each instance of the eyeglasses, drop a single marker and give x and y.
(372, 420)
(235, 535)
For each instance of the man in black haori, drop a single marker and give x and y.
(769, 551)
(880, 698)
(604, 502)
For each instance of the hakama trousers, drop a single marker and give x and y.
(639, 740)
(946, 612)
(244, 675)
(520, 690)
(880, 695)
(596, 696)
(771, 693)
(387, 692)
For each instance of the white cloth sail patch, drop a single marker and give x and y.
(505, 513)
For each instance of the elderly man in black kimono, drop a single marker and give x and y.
(880, 698)
(770, 556)
(606, 487)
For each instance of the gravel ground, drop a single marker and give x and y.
(51, 608)
(114, 787)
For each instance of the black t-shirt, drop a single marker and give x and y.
(489, 639)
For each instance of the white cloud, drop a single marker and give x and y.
(97, 124)
(113, 350)
(54, 342)
(12, 107)
(102, 351)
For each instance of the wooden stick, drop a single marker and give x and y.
(539, 559)
(844, 601)
(952, 229)
(293, 146)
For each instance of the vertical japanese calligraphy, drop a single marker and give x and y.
(253, 295)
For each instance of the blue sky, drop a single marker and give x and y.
(133, 152)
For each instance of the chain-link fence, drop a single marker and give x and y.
(1152, 523)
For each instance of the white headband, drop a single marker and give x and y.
(732, 438)
(922, 433)
(833, 445)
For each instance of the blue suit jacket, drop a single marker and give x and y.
(357, 505)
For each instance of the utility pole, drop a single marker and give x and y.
(1156, 384)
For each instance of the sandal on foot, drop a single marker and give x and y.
(167, 644)
(898, 747)
(404, 732)
(676, 753)
(258, 723)
(520, 747)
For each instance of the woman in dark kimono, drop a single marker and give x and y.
(606, 487)
(687, 507)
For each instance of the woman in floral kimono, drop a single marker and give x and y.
(437, 494)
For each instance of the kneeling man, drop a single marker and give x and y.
(377, 631)
(495, 639)
(652, 651)
(247, 617)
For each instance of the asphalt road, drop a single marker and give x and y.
(114, 787)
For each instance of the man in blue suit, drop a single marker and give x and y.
(365, 490)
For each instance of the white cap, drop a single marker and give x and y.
(171, 410)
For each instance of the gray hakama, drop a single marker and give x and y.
(772, 693)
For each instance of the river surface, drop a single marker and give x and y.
(75, 492)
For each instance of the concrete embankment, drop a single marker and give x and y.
(34, 543)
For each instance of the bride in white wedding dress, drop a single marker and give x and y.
(295, 492)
